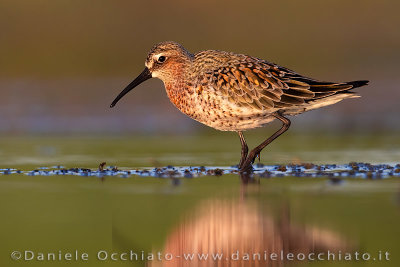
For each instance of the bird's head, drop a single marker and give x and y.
(165, 61)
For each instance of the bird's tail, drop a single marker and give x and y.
(327, 93)
(326, 89)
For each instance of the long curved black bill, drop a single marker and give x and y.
(145, 75)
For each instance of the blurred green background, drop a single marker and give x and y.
(62, 62)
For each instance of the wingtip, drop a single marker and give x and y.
(356, 84)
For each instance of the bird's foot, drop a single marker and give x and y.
(246, 168)
(246, 165)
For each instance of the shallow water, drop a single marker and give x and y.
(222, 149)
(53, 205)
(352, 170)
(181, 216)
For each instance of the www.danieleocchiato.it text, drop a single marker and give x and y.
(103, 255)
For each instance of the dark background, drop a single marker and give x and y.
(63, 62)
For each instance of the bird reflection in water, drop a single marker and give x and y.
(245, 234)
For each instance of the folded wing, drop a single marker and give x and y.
(262, 85)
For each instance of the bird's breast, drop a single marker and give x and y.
(181, 96)
(214, 110)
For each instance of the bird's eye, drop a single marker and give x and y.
(161, 59)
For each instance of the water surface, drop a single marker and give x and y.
(206, 214)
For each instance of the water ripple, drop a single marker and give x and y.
(334, 171)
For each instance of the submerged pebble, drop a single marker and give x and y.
(334, 172)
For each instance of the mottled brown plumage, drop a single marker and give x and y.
(235, 92)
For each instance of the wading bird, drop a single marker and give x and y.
(235, 92)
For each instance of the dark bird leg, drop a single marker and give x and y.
(245, 149)
(246, 166)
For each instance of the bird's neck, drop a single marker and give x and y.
(176, 91)
(178, 84)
